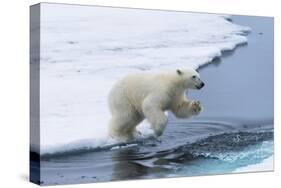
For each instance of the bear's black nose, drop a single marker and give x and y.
(202, 85)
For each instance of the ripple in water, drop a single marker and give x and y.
(183, 150)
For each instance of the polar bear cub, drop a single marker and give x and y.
(149, 95)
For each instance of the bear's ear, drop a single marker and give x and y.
(179, 72)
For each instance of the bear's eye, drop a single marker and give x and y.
(193, 76)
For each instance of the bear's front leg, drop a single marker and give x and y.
(187, 109)
(155, 116)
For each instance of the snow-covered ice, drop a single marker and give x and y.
(85, 50)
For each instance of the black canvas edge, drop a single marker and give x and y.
(34, 153)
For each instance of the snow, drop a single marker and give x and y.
(86, 49)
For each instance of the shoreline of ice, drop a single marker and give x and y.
(85, 50)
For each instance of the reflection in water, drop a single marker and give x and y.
(227, 150)
(185, 149)
(123, 159)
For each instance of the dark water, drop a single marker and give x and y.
(234, 130)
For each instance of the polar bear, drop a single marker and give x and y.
(148, 95)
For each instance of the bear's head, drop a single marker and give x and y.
(190, 78)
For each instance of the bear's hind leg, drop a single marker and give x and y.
(123, 127)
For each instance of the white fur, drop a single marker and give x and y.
(149, 95)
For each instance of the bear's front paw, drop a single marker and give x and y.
(195, 107)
